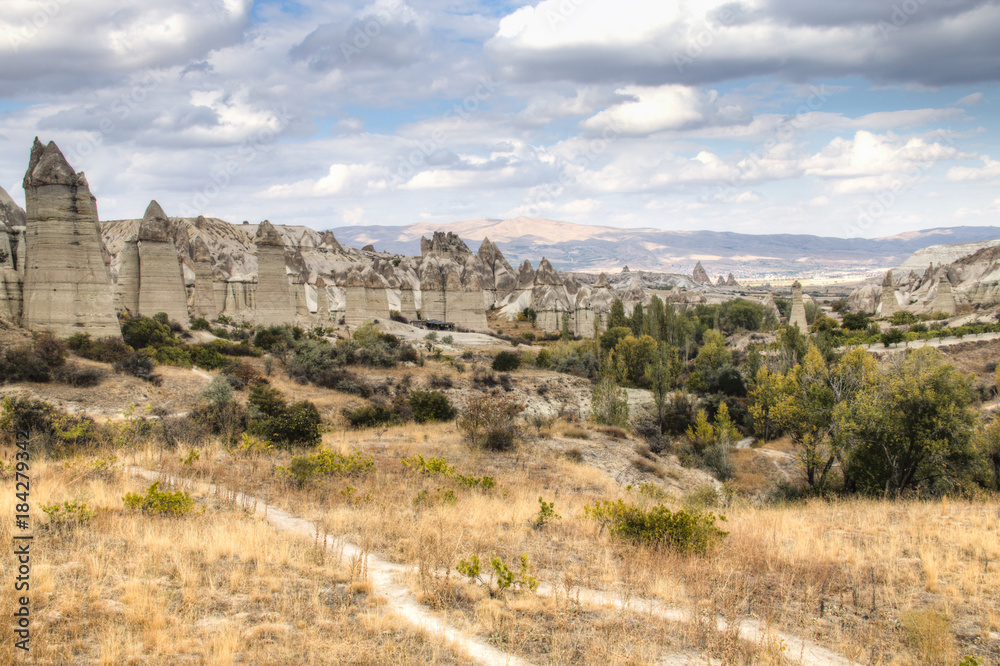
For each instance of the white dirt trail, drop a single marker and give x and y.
(384, 576)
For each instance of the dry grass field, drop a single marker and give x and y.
(880, 582)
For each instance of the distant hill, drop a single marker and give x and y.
(580, 247)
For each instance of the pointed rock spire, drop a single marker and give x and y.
(155, 225)
(699, 274)
(48, 166)
(268, 235)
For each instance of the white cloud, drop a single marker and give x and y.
(989, 171)
(971, 100)
(672, 107)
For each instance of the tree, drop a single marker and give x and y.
(662, 374)
(566, 333)
(892, 336)
(654, 318)
(489, 421)
(617, 316)
(637, 320)
(712, 359)
(609, 405)
(805, 411)
(855, 321)
(912, 427)
(631, 357)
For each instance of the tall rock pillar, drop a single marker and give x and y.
(66, 284)
(890, 305)
(273, 299)
(161, 280)
(798, 315)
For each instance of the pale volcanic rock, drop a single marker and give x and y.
(944, 299)
(161, 280)
(203, 297)
(66, 285)
(699, 275)
(549, 297)
(798, 315)
(888, 305)
(126, 289)
(498, 277)
(273, 303)
(366, 296)
(731, 281)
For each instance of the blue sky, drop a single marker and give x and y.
(855, 118)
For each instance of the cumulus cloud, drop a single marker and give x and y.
(672, 107)
(70, 45)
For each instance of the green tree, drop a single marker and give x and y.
(662, 374)
(617, 316)
(609, 405)
(632, 355)
(636, 320)
(912, 427)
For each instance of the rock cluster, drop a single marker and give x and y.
(78, 274)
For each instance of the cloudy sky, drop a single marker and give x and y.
(835, 117)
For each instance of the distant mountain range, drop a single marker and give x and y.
(579, 247)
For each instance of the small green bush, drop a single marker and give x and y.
(156, 501)
(659, 527)
(430, 406)
(431, 466)
(506, 361)
(502, 578)
(324, 462)
(139, 364)
(67, 515)
(369, 416)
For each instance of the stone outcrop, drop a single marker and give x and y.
(944, 299)
(798, 315)
(273, 302)
(731, 281)
(550, 298)
(161, 281)
(888, 305)
(699, 275)
(202, 302)
(67, 289)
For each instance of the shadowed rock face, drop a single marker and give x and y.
(66, 284)
(11, 214)
(203, 298)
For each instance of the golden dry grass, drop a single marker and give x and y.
(217, 587)
(842, 572)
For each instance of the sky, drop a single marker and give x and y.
(850, 118)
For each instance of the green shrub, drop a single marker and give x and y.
(139, 364)
(431, 466)
(139, 332)
(502, 578)
(201, 324)
(156, 501)
(208, 358)
(546, 512)
(67, 515)
(430, 406)
(370, 415)
(659, 527)
(506, 361)
(172, 356)
(304, 469)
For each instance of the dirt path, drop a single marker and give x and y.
(385, 575)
